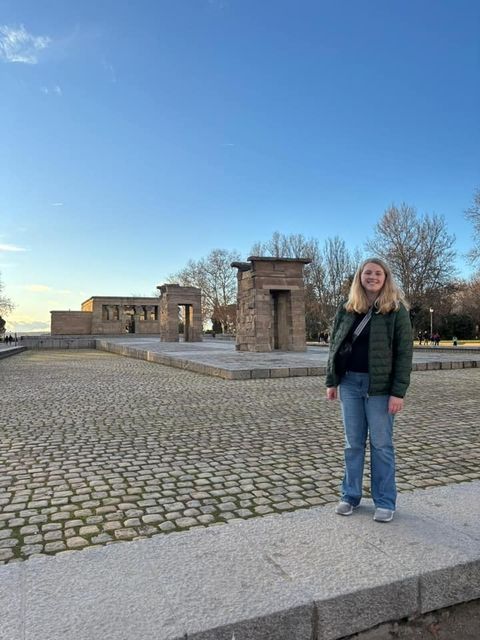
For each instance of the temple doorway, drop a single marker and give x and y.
(281, 320)
(129, 314)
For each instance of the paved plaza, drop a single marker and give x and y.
(96, 448)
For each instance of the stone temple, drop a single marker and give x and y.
(112, 316)
(109, 316)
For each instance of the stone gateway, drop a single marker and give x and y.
(271, 304)
(173, 296)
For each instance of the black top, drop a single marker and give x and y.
(358, 360)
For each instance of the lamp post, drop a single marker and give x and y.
(431, 323)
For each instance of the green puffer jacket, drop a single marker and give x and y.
(389, 353)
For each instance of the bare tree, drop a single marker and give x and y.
(280, 245)
(340, 265)
(473, 214)
(275, 247)
(218, 282)
(467, 300)
(6, 306)
(418, 249)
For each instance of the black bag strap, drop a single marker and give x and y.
(362, 325)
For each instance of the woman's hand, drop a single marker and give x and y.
(395, 405)
(331, 393)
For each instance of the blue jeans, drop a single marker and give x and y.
(367, 415)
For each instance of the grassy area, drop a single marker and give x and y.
(449, 343)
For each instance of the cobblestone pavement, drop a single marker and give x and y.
(97, 448)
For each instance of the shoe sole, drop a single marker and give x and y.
(383, 519)
(339, 513)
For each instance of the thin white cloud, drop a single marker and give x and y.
(17, 45)
(55, 90)
(37, 288)
(57, 204)
(44, 288)
(11, 247)
(26, 323)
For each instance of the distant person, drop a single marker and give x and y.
(373, 380)
(426, 336)
(420, 337)
(436, 339)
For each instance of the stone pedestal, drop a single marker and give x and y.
(271, 304)
(171, 297)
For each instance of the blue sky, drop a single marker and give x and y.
(135, 136)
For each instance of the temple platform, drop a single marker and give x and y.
(217, 357)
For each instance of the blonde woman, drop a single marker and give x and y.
(370, 363)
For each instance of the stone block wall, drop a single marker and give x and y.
(109, 316)
(71, 323)
(147, 327)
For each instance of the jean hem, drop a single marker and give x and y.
(352, 502)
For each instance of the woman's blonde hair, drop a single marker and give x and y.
(389, 298)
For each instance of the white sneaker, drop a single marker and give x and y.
(383, 515)
(344, 508)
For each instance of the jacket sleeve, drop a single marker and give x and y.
(402, 353)
(331, 378)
